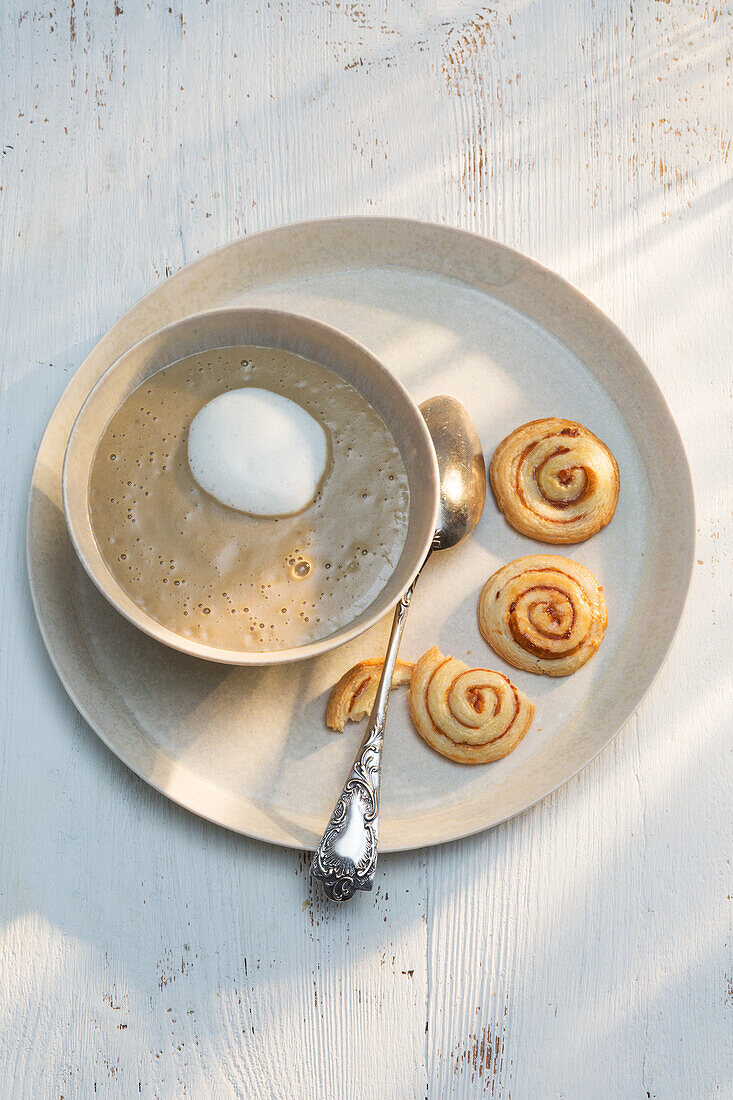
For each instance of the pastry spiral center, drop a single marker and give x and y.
(551, 477)
(560, 483)
(473, 703)
(550, 621)
(474, 706)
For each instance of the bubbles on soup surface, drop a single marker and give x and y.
(232, 578)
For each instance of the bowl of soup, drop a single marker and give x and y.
(250, 486)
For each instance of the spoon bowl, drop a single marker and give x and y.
(461, 469)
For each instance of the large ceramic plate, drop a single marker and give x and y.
(448, 312)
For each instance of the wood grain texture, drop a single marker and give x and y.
(581, 950)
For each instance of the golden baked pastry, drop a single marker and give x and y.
(470, 715)
(543, 613)
(555, 481)
(353, 697)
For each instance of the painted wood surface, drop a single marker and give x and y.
(583, 949)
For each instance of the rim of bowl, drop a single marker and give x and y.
(76, 496)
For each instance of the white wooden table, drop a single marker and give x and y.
(580, 951)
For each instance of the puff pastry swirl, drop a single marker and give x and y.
(353, 697)
(555, 481)
(470, 715)
(543, 613)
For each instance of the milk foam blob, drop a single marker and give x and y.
(257, 452)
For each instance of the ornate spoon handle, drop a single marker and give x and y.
(346, 858)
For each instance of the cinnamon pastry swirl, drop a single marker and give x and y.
(470, 715)
(555, 481)
(543, 613)
(353, 697)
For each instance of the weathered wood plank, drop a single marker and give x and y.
(577, 951)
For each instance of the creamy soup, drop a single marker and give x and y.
(226, 577)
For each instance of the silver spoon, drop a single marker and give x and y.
(346, 858)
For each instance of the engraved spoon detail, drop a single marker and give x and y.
(346, 858)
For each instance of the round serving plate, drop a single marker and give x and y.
(447, 312)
